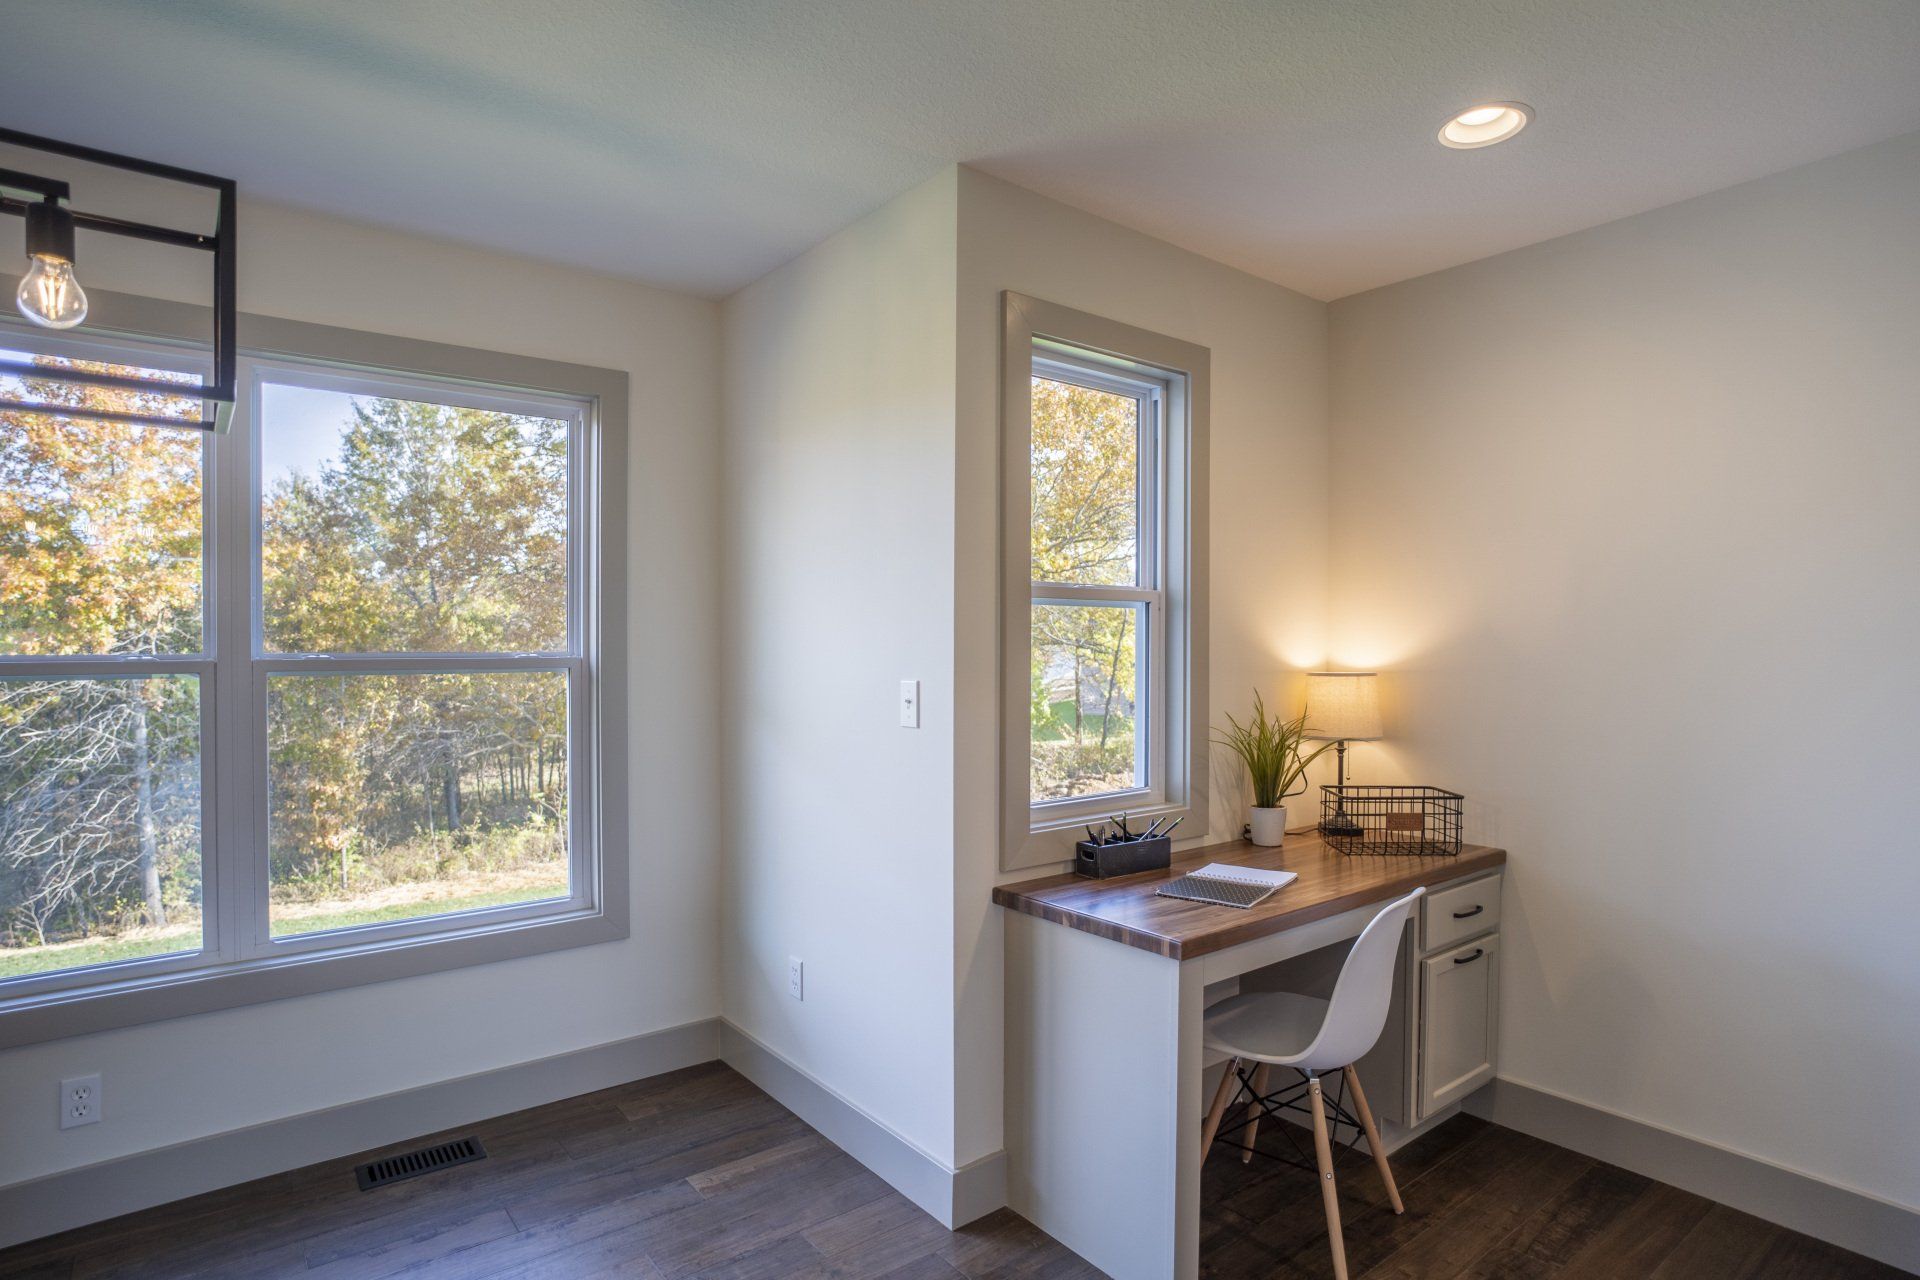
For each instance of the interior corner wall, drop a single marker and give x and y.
(176, 1081)
(1631, 518)
(1268, 527)
(839, 516)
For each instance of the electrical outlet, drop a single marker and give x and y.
(79, 1101)
(796, 977)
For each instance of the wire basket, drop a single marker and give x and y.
(1391, 820)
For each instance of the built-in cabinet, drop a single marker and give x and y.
(1459, 1009)
(1454, 1028)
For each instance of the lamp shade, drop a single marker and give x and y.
(1343, 706)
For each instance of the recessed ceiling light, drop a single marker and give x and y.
(1485, 125)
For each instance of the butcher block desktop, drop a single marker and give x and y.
(1128, 909)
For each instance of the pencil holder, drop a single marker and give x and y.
(1122, 857)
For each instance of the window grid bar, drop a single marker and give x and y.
(1071, 594)
(129, 667)
(323, 664)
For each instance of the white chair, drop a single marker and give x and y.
(1265, 1029)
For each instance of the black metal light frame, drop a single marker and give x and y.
(220, 392)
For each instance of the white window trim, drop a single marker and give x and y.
(1039, 834)
(241, 963)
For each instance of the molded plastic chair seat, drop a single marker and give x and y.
(1267, 1026)
(1284, 1029)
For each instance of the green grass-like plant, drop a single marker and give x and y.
(1269, 746)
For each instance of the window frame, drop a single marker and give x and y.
(1169, 587)
(240, 962)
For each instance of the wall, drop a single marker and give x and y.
(1631, 517)
(1268, 526)
(172, 1082)
(839, 393)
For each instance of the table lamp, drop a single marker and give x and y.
(1342, 707)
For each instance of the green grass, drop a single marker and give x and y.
(408, 910)
(73, 955)
(15, 963)
(1062, 728)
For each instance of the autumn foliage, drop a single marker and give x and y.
(427, 529)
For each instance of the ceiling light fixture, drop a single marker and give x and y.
(51, 297)
(1485, 125)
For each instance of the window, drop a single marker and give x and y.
(324, 689)
(414, 596)
(1104, 431)
(1094, 496)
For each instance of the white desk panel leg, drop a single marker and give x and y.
(1103, 1098)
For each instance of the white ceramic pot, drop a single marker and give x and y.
(1269, 825)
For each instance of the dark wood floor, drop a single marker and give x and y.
(699, 1174)
(1487, 1203)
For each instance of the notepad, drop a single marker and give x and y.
(1227, 885)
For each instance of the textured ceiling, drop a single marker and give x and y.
(698, 143)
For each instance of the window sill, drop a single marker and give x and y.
(1049, 840)
(56, 1015)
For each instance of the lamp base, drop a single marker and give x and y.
(1340, 824)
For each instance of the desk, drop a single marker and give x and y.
(1105, 992)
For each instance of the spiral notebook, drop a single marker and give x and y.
(1226, 885)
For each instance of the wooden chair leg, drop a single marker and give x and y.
(1221, 1097)
(1373, 1139)
(1323, 1152)
(1253, 1125)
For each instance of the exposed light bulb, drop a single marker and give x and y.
(49, 295)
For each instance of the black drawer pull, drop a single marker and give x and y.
(1477, 953)
(1468, 915)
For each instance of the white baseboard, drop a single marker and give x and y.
(1850, 1218)
(954, 1197)
(96, 1192)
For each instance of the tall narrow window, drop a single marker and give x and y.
(1095, 497)
(1104, 646)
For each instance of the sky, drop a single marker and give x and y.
(302, 429)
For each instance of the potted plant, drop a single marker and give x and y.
(1269, 747)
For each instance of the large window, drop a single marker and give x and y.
(1104, 430)
(321, 688)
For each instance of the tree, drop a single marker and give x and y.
(1084, 531)
(430, 528)
(99, 554)
(437, 529)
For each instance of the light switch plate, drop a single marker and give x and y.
(909, 704)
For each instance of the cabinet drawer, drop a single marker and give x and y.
(1459, 1022)
(1459, 911)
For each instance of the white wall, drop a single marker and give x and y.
(175, 1081)
(839, 392)
(1268, 525)
(1632, 517)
